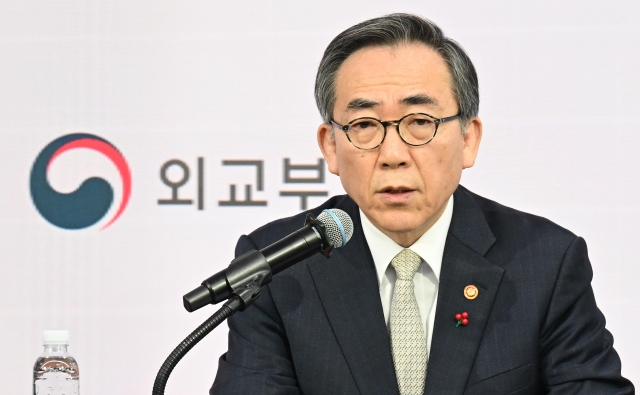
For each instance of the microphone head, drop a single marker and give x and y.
(338, 225)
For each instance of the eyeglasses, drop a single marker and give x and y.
(414, 129)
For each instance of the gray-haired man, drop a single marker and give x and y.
(439, 291)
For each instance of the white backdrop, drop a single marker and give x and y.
(218, 80)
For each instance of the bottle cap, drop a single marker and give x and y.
(55, 337)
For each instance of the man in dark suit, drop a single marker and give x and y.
(400, 104)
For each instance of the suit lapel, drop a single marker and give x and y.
(348, 289)
(453, 350)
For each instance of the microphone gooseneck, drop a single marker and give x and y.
(240, 282)
(247, 273)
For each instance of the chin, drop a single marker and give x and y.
(399, 222)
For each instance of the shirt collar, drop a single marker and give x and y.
(430, 246)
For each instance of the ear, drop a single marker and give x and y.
(327, 145)
(471, 142)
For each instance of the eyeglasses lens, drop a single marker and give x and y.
(366, 133)
(417, 129)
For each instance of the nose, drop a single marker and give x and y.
(394, 153)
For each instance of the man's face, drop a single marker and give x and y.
(403, 190)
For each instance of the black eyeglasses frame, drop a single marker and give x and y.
(437, 121)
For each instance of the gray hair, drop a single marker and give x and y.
(391, 30)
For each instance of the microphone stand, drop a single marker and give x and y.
(230, 307)
(237, 302)
(245, 279)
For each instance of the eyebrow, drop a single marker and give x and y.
(419, 99)
(413, 100)
(358, 104)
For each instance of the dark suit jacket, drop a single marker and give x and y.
(318, 328)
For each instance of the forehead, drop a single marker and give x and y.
(387, 74)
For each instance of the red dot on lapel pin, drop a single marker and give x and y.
(462, 318)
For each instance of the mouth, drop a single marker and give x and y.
(396, 195)
(396, 190)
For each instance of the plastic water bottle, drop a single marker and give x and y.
(55, 371)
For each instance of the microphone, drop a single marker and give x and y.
(247, 273)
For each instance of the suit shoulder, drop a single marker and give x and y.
(508, 223)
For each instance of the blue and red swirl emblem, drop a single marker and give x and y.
(92, 200)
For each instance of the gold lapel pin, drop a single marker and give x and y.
(470, 292)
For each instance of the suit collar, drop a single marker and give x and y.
(454, 349)
(469, 224)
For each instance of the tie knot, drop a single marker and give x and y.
(406, 264)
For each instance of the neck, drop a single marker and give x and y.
(55, 348)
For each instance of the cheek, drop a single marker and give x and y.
(356, 169)
(345, 163)
(441, 166)
(451, 154)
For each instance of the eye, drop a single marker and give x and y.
(419, 121)
(363, 125)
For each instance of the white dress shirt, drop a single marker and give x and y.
(430, 247)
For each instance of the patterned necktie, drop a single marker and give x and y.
(408, 344)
